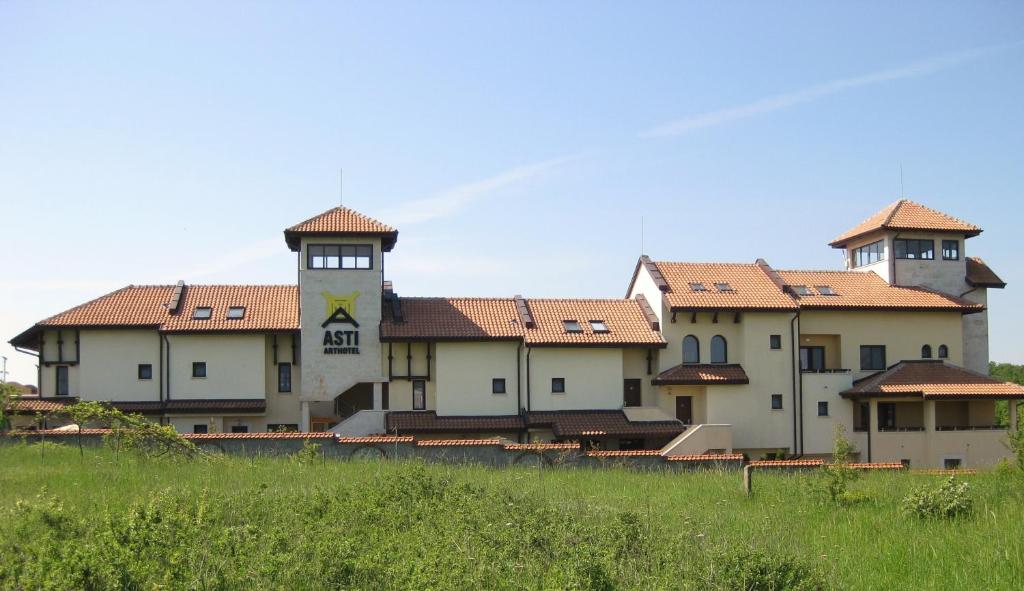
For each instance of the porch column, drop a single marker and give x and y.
(1013, 414)
(872, 426)
(304, 420)
(929, 416)
(378, 396)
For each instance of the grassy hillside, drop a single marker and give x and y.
(124, 522)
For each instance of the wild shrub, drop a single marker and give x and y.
(1015, 442)
(752, 570)
(949, 500)
(837, 475)
(310, 452)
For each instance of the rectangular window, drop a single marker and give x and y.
(199, 369)
(339, 256)
(864, 420)
(145, 371)
(776, 401)
(558, 385)
(914, 249)
(812, 358)
(951, 463)
(869, 253)
(696, 286)
(236, 313)
(62, 380)
(822, 408)
(800, 290)
(419, 395)
(775, 341)
(872, 357)
(825, 290)
(598, 326)
(282, 427)
(886, 416)
(498, 386)
(723, 287)
(284, 377)
(572, 326)
(202, 313)
(951, 250)
(200, 428)
(240, 428)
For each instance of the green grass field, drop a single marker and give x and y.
(108, 522)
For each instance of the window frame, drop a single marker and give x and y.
(206, 316)
(282, 427)
(598, 326)
(916, 242)
(697, 286)
(871, 367)
(200, 428)
(149, 367)
(572, 326)
(772, 405)
(814, 353)
(495, 383)
(926, 352)
(62, 385)
(420, 387)
(239, 428)
(801, 290)
(725, 350)
(241, 316)
(861, 256)
(775, 342)
(943, 352)
(696, 342)
(823, 405)
(196, 365)
(955, 250)
(825, 290)
(339, 257)
(723, 287)
(558, 385)
(281, 367)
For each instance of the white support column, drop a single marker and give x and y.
(305, 422)
(378, 396)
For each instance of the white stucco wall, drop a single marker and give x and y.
(110, 365)
(645, 284)
(593, 378)
(464, 375)
(235, 366)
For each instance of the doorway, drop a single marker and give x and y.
(684, 409)
(631, 393)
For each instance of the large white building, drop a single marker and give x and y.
(697, 357)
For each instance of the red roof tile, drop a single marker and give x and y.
(377, 439)
(31, 405)
(229, 405)
(702, 374)
(705, 458)
(809, 463)
(574, 445)
(980, 275)
(62, 432)
(456, 442)
(625, 453)
(453, 319)
(598, 424)
(626, 323)
(935, 380)
(429, 422)
(282, 435)
(877, 466)
(855, 290)
(907, 215)
(750, 287)
(341, 221)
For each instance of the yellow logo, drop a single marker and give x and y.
(341, 308)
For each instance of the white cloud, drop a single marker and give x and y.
(811, 93)
(452, 200)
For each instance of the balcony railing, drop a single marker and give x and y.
(971, 428)
(899, 429)
(825, 370)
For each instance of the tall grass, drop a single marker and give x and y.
(121, 521)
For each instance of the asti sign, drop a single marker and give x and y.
(341, 310)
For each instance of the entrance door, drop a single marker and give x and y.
(631, 392)
(684, 409)
(812, 358)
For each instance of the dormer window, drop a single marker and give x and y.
(340, 256)
(572, 326)
(202, 313)
(800, 290)
(236, 312)
(598, 326)
(723, 287)
(825, 290)
(697, 286)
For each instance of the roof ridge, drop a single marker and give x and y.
(892, 213)
(92, 301)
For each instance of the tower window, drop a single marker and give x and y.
(202, 313)
(914, 249)
(339, 256)
(572, 326)
(950, 250)
(236, 312)
(867, 254)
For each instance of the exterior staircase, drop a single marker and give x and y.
(361, 424)
(700, 439)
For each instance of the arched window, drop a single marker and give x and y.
(943, 352)
(691, 349)
(719, 350)
(926, 352)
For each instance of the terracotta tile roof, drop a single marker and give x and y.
(456, 442)
(942, 472)
(574, 445)
(702, 374)
(428, 422)
(139, 406)
(808, 463)
(284, 435)
(624, 453)
(61, 432)
(453, 319)
(31, 405)
(752, 288)
(135, 305)
(705, 458)
(935, 380)
(907, 215)
(877, 466)
(597, 424)
(229, 405)
(341, 221)
(377, 439)
(980, 275)
(855, 290)
(625, 320)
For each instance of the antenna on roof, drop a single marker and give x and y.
(641, 235)
(341, 187)
(902, 194)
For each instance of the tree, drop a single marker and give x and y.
(1007, 372)
(8, 394)
(839, 474)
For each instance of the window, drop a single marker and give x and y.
(199, 369)
(340, 256)
(872, 356)
(926, 352)
(691, 349)
(236, 312)
(419, 395)
(62, 380)
(886, 416)
(572, 326)
(719, 349)
(145, 371)
(697, 286)
(284, 377)
(558, 385)
(864, 420)
(822, 408)
(800, 290)
(825, 290)
(914, 249)
(202, 313)
(282, 427)
(240, 428)
(943, 352)
(776, 401)
(869, 253)
(775, 341)
(951, 250)
(812, 358)
(723, 287)
(598, 326)
(951, 463)
(498, 386)
(200, 428)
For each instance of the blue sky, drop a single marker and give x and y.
(515, 145)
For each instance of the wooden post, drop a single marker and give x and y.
(748, 473)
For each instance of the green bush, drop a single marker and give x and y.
(761, 571)
(948, 500)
